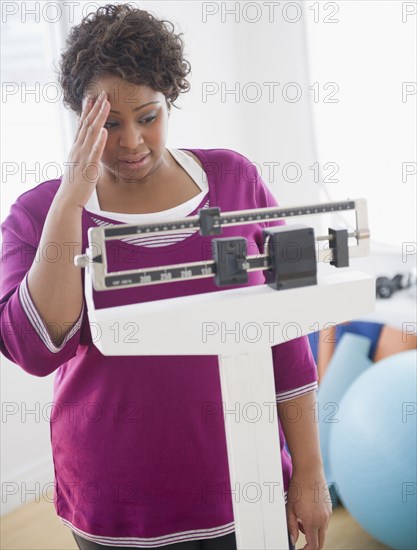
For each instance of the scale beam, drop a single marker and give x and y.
(210, 222)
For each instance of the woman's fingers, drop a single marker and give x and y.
(98, 147)
(322, 537)
(86, 153)
(94, 129)
(89, 118)
(88, 105)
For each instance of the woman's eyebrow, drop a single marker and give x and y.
(136, 108)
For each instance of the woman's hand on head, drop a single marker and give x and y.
(83, 167)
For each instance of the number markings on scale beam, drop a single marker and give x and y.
(179, 272)
(238, 217)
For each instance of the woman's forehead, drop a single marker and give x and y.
(118, 89)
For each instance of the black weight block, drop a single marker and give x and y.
(291, 256)
(228, 254)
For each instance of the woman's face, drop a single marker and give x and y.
(137, 125)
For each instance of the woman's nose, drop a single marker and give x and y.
(130, 137)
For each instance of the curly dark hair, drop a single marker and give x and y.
(128, 42)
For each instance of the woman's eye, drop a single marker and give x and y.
(147, 120)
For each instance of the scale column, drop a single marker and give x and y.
(253, 447)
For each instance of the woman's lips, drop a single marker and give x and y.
(136, 164)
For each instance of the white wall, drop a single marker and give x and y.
(370, 133)
(368, 49)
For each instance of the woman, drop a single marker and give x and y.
(136, 463)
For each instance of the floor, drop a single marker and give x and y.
(35, 526)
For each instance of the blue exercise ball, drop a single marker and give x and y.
(373, 450)
(350, 359)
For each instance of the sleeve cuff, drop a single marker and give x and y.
(296, 392)
(37, 322)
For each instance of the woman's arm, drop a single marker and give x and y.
(25, 338)
(308, 497)
(55, 285)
